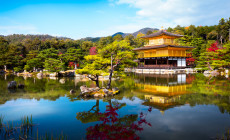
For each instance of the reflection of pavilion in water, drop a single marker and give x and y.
(163, 91)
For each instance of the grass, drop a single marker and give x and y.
(50, 137)
(24, 131)
(27, 122)
(225, 136)
(1, 121)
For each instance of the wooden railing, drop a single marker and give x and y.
(160, 67)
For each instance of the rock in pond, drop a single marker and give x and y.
(40, 74)
(70, 74)
(97, 95)
(106, 91)
(12, 85)
(215, 73)
(53, 74)
(62, 81)
(72, 91)
(21, 86)
(84, 89)
(115, 89)
(97, 92)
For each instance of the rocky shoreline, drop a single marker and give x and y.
(71, 73)
(97, 92)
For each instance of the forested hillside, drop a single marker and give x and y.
(20, 37)
(30, 52)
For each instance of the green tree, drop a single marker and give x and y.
(53, 65)
(33, 64)
(211, 58)
(179, 30)
(104, 41)
(139, 42)
(118, 37)
(205, 60)
(212, 35)
(14, 57)
(74, 55)
(191, 30)
(130, 39)
(95, 66)
(223, 30)
(86, 45)
(120, 55)
(48, 53)
(169, 29)
(3, 50)
(111, 60)
(149, 32)
(198, 43)
(222, 58)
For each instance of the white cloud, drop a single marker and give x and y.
(18, 29)
(179, 12)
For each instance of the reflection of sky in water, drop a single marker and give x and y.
(200, 122)
(184, 122)
(15, 109)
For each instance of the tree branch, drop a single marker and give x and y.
(91, 78)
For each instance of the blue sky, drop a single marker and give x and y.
(91, 18)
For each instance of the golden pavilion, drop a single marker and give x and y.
(162, 51)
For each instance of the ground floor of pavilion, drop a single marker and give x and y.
(162, 62)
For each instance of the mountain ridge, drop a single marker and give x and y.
(143, 31)
(21, 37)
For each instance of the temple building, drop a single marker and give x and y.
(162, 51)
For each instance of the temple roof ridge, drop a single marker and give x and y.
(161, 46)
(161, 32)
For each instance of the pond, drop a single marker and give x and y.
(149, 106)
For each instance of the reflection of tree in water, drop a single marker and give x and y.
(209, 90)
(112, 126)
(90, 116)
(224, 136)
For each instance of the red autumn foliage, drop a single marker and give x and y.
(72, 64)
(60, 53)
(114, 128)
(214, 47)
(190, 78)
(93, 51)
(190, 60)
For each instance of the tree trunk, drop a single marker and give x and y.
(75, 65)
(229, 35)
(97, 81)
(5, 67)
(110, 79)
(210, 68)
(97, 106)
(221, 39)
(111, 73)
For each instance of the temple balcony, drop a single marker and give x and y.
(163, 53)
(161, 41)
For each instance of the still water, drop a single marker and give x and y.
(148, 107)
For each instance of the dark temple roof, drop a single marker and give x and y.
(160, 46)
(161, 32)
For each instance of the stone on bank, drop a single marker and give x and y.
(97, 92)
